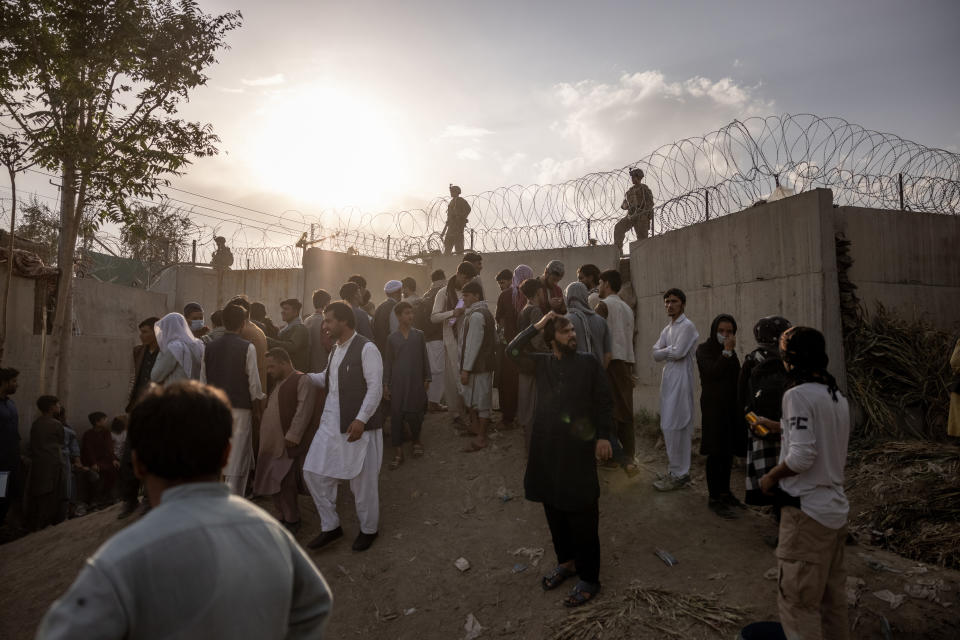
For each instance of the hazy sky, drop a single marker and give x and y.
(382, 104)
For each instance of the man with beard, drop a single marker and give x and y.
(286, 430)
(348, 444)
(571, 429)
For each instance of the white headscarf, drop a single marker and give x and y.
(174, 336)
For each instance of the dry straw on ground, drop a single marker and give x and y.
(897, 373)
(916, 507)
(664, 613)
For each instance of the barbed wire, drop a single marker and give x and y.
(694, 179)
(721, 172)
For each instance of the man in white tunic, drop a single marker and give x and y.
(348, 444)
(675, 346)
(477, 362)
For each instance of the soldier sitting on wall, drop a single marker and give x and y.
(638, 203)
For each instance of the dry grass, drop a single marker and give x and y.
(667, 613)
(897, 373)
(915, 491)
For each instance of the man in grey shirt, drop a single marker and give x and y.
(203, 563)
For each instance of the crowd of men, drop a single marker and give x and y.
(300, 408)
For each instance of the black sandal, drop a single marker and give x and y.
(583, 593)
(556, 577)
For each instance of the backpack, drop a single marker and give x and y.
(422, 311)
(767, 383)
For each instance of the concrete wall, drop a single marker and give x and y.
(604, 257)
(777, 258)
(212, 289)
(105, 319)
(909, 262)
(329, 270)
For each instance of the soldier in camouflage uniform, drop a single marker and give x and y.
(638, 203)
(457, 212)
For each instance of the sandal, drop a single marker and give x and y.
(583, 593)
(396, 462)
(556, 577)
(418, 451)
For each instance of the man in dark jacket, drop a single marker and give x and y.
(9, 438)
(294, 338)
(47, 486)
(384, 319)
(571, 429)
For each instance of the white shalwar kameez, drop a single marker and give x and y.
(675, 346)
(240, 461)
(331, 458)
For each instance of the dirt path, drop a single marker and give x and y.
(448, 505)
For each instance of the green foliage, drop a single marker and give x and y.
(38, 223)
(155, 235)
(96, 84)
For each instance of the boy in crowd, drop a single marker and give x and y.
(406, 379)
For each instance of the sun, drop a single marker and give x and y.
(327, 147)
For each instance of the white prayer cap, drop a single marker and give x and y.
(393, 286)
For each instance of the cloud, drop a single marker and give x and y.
(736, 63)
(229, 90)
(606, 126)
(462, 131)
(468, 153)
(266, 81)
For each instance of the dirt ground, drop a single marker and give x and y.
(450, 504)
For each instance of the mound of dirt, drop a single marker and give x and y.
(450, 505)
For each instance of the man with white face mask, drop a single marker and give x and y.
(193, 312)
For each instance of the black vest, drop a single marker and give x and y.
(226, 365)
(352, 387)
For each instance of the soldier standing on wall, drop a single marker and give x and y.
(638, 203)
(222, 256)
(457, 212)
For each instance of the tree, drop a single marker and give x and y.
(155, 235)
(15, 156)
(41, 225)
(95, 86)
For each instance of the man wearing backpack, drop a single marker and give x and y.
(760, 391)
(433, 334)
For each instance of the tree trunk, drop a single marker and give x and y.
(8, 281)
(58, 356)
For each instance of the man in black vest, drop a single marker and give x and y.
(348, 444)
(230, 364)
(384, 319)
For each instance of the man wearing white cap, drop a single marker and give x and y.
(384, 319)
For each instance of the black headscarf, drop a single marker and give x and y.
(711, 343)
(805, 350)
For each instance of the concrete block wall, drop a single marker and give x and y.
(776, 258)
(329, 270)
(909, 262)
(212, 289)
(101, 365)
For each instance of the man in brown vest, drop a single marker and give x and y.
(477, 362)
(289, 422)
